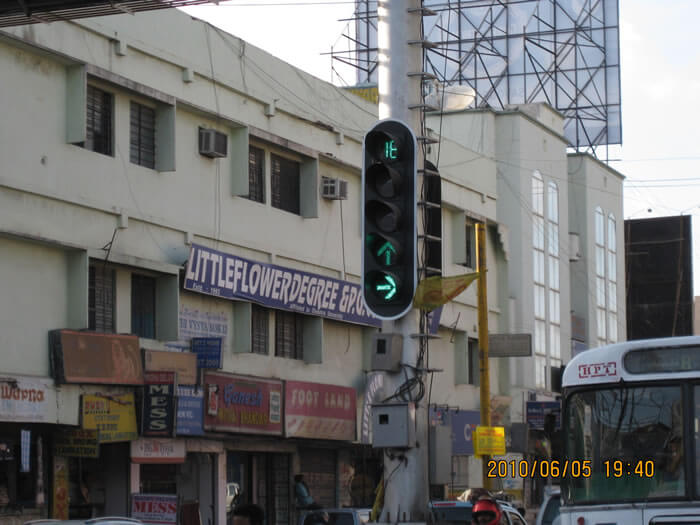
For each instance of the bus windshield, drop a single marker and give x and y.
(633, 437)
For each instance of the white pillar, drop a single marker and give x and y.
(406, 476)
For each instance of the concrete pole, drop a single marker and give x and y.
(406, 474)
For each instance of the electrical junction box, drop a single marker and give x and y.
(440, 456)
(394, 425)
(386, 352)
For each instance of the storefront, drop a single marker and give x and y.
(252, 406)
(326, 414)
(29, 413)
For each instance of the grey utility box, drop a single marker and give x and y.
(386, 352)
(441, 452)
(394, 425)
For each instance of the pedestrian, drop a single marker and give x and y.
(304, 500)
(486, 512)
(248, 514)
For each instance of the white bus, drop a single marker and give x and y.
(631, 427)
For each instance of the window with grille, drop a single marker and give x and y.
(473, 356)
(256, 174)
(142, 135)
(289, 340)
(285, 184)
(143, 306)
(470, 232)
(101, 298)
(98, 136)
(259, 329)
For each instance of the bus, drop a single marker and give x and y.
(630, 424)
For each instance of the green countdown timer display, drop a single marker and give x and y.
(391, 150)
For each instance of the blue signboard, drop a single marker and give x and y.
(537, 410)
(228, 276)
(208, 350)
(464, 423)
(190, 411)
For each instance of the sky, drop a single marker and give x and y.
(660, 81)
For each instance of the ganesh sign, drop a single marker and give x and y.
(242, 404)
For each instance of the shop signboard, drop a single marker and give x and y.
(464, 423)
(27, 399)
(316, 410)
(190, 411)
(153, 450)
(242, 404)
(374, 393)
(77, 443)
(208, 351)
(113, 416)
(183, 363)
(536, 411)
(227, 276)
(160, 509)
(59, 509)
(89, 357)
(158, 410)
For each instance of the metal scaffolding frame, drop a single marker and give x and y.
(562, 52)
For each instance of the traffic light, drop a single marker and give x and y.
(389, 218)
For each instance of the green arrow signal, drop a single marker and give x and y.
(387, 288)
(387, 249)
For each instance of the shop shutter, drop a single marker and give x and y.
(319, 467)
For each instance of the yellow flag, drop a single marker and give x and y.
(436, 291)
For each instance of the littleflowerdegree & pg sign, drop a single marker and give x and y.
(220, 274)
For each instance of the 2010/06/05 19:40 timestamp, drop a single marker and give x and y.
(611, 468)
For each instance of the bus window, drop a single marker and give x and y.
(696, 428)
(618, 427)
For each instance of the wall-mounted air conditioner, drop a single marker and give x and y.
(334, 189)
(212, 143)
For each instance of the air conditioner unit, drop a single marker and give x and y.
(334, 189)
(212, 143)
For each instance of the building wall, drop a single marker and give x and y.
(594, 184)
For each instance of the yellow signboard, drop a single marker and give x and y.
(370, 93)
(489, 441)
(113, 416)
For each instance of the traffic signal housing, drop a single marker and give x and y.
(389, 218)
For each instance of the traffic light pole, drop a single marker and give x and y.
(400, 53)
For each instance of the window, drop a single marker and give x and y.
(142, 135)
(285, 184)
(256, 174)
(143, 306)
(259, 329)
(289, 339)
(473, 351)
(99, 121)
(101, 298)
(612, 280)
(471, 244)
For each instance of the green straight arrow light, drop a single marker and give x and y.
(388, 288)
(387, 249)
